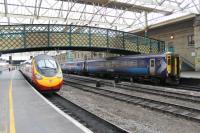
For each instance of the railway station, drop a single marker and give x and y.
(99, 66)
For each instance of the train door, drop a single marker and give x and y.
(172, 64)
(84, 66)
(176, 66)
(169, 70)
(152, 67)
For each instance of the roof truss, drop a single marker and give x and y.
(116, 14)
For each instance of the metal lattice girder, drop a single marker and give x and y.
(18, 38)
(126, 15)
(120, 5)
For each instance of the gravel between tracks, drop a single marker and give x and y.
(156, 97)
(153, 97)
(130, 117)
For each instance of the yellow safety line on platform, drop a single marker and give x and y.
(12, 119)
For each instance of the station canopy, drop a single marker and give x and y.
(125, 15)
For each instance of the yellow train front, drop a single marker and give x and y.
(44, 72)
(173, 68)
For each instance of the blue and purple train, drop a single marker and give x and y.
(164, 68)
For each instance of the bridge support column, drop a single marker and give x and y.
(10, 59)
(146, 25)
(197, 43)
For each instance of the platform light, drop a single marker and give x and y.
(172, 37)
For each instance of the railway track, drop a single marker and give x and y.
(139, 88)
(174, 109)
(88, 119)
(188, 87)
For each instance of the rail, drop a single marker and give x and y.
(169, 108)
(90, 120)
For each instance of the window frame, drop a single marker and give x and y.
(190, 39)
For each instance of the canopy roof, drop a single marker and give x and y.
(125, 15)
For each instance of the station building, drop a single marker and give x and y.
(81, 55)
(181, 36)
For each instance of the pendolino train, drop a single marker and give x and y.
(162, 68)
(44, 72)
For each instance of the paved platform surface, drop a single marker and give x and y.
(190, 74)
(23, 110)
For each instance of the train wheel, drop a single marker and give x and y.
(117, 79)
(98, 84)
(131, 79)
(162, 81)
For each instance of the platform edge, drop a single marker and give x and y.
(75, 122)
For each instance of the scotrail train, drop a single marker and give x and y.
(162, 68)
(44, 72)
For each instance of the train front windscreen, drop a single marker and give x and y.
(47, 67)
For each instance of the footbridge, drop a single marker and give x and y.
(37, 37)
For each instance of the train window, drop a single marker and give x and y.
(41, 63)
(108, 64)
(128, 63)
(102, 64)
(99, 64)
(95, 64)
(132, 63)
(47, 64)
(152, 63)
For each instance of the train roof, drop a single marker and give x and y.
(144, 55)
(75, 61)
(126, 56)
(38, 57)
(43, 56)
(131, 56)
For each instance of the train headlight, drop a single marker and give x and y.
(59, 75)
(38, 77)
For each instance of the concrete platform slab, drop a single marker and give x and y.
(24, 110)
(190, 74)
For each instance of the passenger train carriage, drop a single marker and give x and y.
(44, 72)
(164, 68)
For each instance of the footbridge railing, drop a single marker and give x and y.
(33, 37)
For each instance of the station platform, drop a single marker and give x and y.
(190, 77)
(190, 74)
(24, 110)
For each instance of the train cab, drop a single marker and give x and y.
(173, 67)
(43, 72)
(47, 74)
